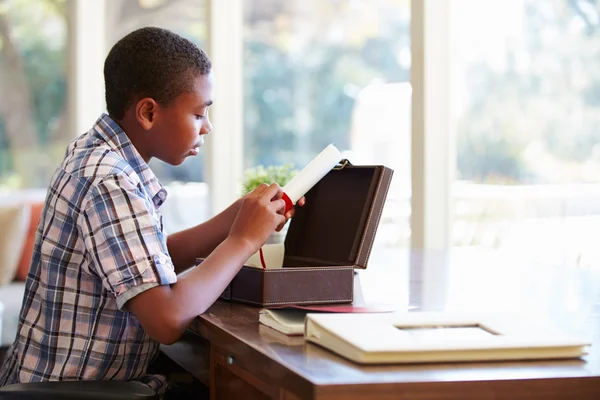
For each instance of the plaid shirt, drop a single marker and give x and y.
(99, 242)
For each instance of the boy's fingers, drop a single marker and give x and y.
(271, 191)
(278, 195)
(278, 206)
(261, 188)
(282, 220)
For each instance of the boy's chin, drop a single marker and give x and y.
(174, 161)
(179, 161)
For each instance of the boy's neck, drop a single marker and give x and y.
(139, 137)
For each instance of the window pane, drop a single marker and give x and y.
(528, 111)
(33, 123)
(319, 72)
(184, 17)
(188, 193)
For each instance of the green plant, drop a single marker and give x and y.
(280, 174)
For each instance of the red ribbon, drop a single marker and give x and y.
(262, 258)
(288, 202)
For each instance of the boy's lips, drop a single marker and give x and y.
(196, 149)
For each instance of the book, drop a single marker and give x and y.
(288, 322)
(290, 319)
(339, 308)
(426, 337)
(270, 335)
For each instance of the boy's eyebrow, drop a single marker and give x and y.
(208, 103)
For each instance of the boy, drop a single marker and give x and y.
(103, 289)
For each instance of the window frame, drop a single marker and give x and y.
(85, 97)
(433, 159)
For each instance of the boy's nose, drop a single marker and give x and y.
(206, 128)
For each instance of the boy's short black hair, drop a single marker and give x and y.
(150, 62)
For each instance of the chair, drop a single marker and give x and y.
(71, 390)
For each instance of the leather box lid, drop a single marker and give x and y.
(338, 224)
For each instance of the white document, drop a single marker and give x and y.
(314, 171)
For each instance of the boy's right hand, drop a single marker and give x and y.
(261, 212)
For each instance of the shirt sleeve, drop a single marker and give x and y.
(122, 233)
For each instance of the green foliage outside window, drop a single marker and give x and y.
(280, 174)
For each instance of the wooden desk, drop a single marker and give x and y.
(227, 349)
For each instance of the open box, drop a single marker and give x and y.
(327, 239)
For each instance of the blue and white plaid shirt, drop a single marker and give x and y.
(99, 242)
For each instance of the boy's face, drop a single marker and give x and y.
(178, 131)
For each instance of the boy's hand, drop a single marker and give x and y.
(291, 212)
(288, 215)
(261, 212)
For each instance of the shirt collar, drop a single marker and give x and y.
(116, 138)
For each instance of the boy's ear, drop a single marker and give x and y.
(145, 112)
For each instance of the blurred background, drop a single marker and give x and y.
(524, 96)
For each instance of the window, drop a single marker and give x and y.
(319, 72)
(527, 90)
(185, 17)
(188, 202)
(34, 128)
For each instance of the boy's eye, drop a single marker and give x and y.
(199, 116)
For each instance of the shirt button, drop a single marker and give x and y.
(160, 259)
